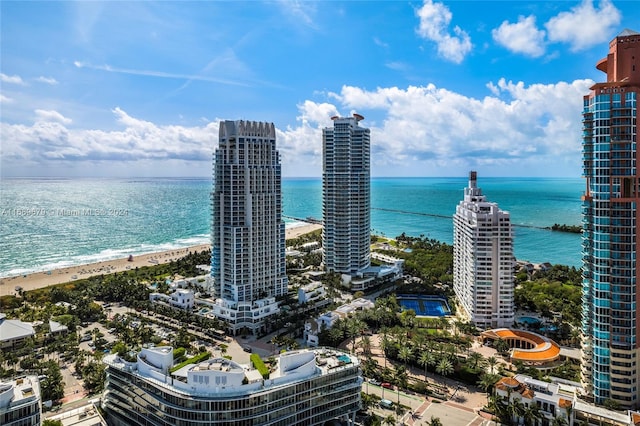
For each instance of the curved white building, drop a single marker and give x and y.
(20, 403)
(346, 196)
(483, 262)
(305, 388)
(247, 233)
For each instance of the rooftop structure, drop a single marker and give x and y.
(305, 387)
(527, 347)
(20, 403)
(14, 332)
(248, 236)
(346, 196)
(610, 270)
(483, 262)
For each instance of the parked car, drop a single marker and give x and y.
(375, 382)
(247, 349)
(387, 385)
(385, 403)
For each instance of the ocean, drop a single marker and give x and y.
(52, 223)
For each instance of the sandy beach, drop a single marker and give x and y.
(71, 273)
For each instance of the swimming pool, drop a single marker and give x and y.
(529, 320)
(426, 306)
(345, 359)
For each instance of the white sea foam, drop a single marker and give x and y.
(112, 254)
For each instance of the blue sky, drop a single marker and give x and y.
(138, 88)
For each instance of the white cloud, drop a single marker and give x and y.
(422, 131)
(12, 79)
(444, 129)
(380, 43)
(47, 80)
(521, 37)
(584, 26)
(50, 115)
(434, 25)
(5, 99)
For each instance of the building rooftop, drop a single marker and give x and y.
(19, 391)
(14, 329)
(223, 376)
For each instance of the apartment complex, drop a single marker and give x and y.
(611, 301)
(20, 403)
(346, 196)
(305, 387)
(248, 237)
(483, 262)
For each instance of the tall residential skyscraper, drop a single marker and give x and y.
(483, 262)
(610, 296)
(248, 239)
(346, 196)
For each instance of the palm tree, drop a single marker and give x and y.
(426, 359)
(559, 421)
(355, 327)
(365, 345)
(405, 355)
(492, 361)
(474, 359)
(501, 346)
(389, 420)
(444, 367)
(487, 382)
(401, 378)
(515, 409)
(531, 415)
(435, 421)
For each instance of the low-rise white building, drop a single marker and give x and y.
(560, 399)
(312, 329)
(14, 332)
(183, 298)
(311, 292)
(20, 403)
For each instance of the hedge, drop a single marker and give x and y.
(258, 363)
(193, 360)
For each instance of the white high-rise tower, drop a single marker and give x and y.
(483, 262)
(248, 236)
(346, 196)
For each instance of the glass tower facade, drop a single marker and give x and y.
(610, 312)
(346, 196)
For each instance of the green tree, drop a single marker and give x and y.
(52, 387)
(426, 359)
(492, 361)
(435, 421)
(501, 345)
(49, 422)
(475, 359)
(444, 367)
(487, 382)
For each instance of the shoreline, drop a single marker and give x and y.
(36, 280)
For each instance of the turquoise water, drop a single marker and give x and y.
(48, 223)
(529, 320)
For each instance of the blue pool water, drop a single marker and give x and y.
(427, 306)
(529, 320)
(344, 359)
